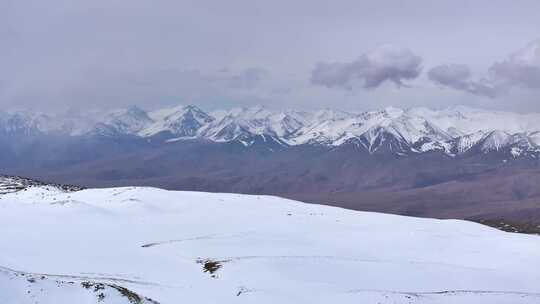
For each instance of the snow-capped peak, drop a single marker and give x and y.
(180, 121)
(393, 112)
(253, 121)
(453, 130)
(130, 120)
(496, 140)
(331, 114)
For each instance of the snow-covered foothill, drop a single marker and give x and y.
(197, 247)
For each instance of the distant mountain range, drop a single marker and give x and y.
(453, 163)
(453, 131)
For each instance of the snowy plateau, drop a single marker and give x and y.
(62, 244)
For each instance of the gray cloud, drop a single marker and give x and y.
(59, 54)
(520, 69)
(385, 63)
(248, 78)
(105, 87)
(458, 77)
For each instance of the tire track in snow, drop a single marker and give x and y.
(447, 292)
(349, 259)
(197, 238)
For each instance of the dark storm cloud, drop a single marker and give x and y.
(370, 70)
(458, 77)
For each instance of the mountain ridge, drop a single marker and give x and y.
(452, 131)
(458, 162)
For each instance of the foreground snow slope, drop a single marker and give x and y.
(127, 245)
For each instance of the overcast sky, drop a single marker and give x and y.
(60, 54)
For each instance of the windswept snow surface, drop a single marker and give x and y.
(194, 247)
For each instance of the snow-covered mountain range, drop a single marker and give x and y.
(137, 245)
(452, 131)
